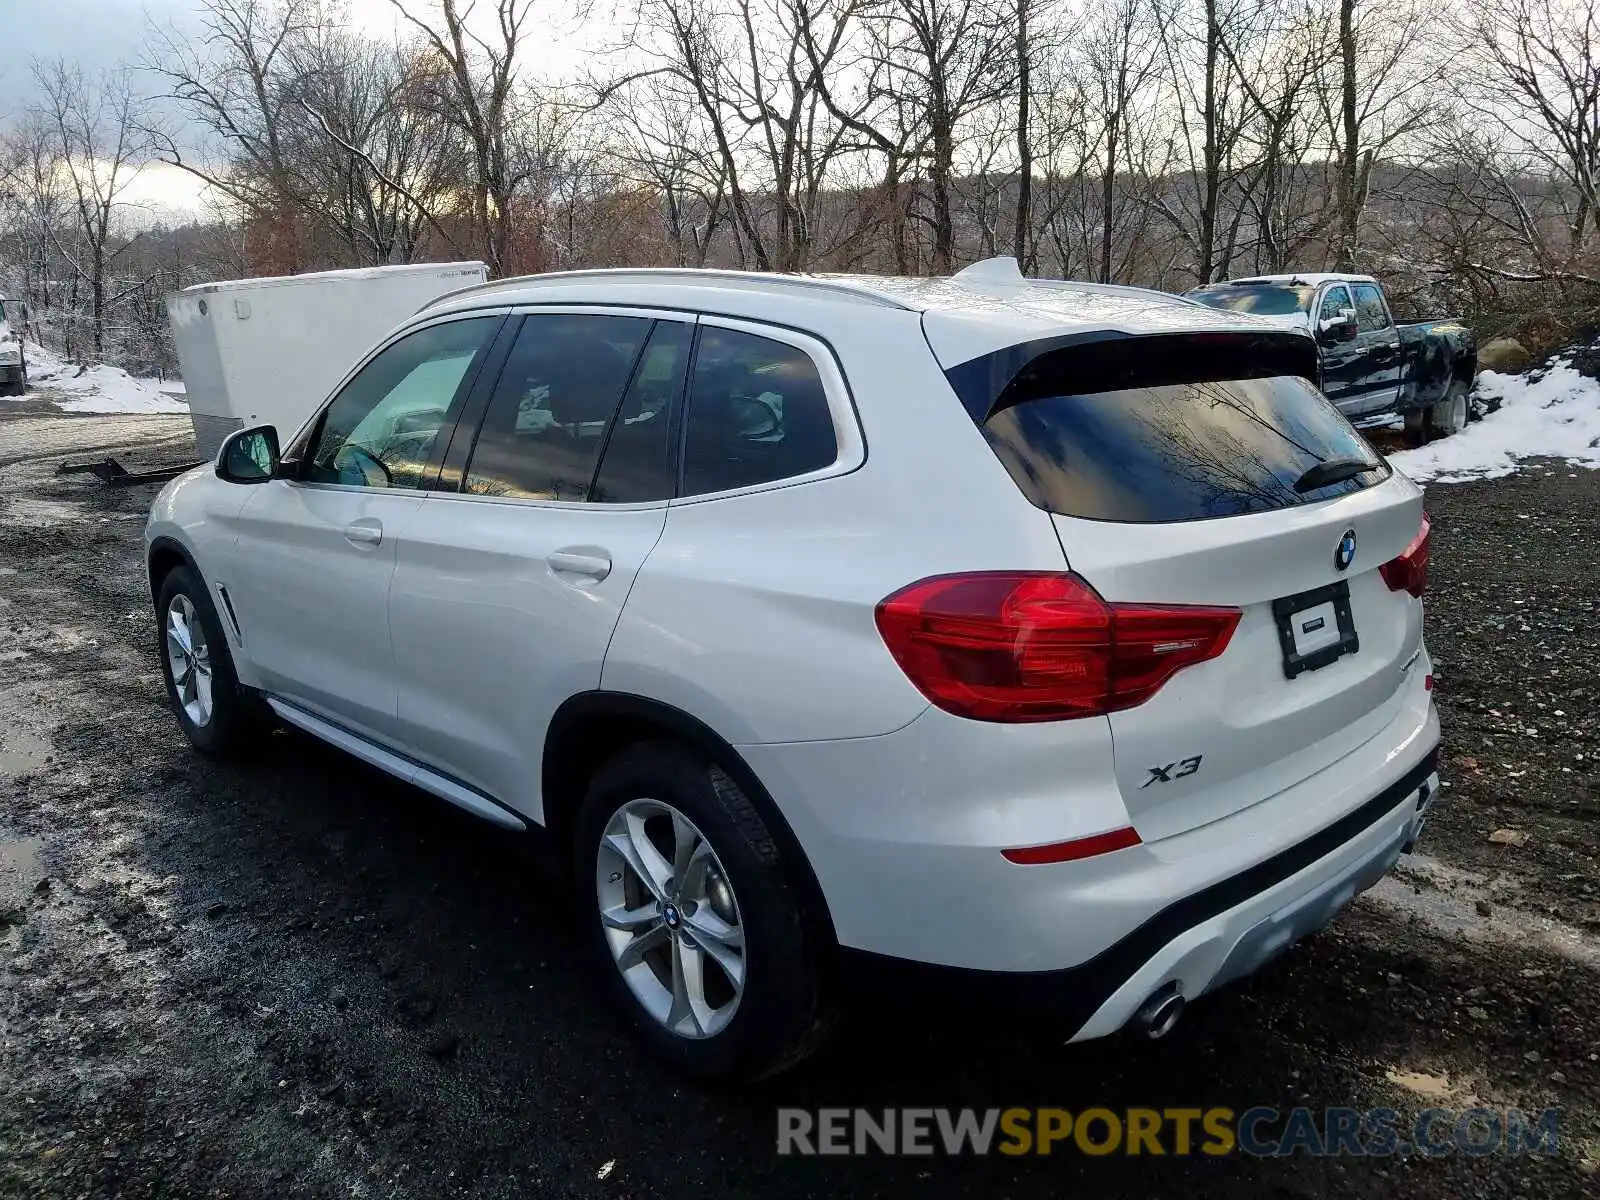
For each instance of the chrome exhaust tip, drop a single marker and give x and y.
(1158, 1015)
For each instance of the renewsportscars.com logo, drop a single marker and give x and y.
(1263, 1132)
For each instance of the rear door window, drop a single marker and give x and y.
(1154, 448)
(553, 406)
(638, 464)
(1370, 311)
(757, 413)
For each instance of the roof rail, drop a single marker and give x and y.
(754, 280)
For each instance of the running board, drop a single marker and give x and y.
(459, 794)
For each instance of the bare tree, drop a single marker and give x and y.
(1533, 75)
(1379, 98)
(476, 93)
(97, 126)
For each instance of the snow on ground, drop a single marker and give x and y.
(1557, 414)
(97, 389)
(167, 387)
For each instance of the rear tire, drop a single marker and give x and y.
(1416, 427)
(219, 716)
(1449, 416)
(716, 964)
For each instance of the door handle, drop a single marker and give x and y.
(588, 564)
(365, 532)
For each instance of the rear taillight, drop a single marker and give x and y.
(1409, 572)
(1033, 646)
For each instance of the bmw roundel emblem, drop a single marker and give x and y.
(1345, 552)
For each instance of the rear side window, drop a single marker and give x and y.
(1159, 448)
(1370, 312)
(757, 413)
(553, 406)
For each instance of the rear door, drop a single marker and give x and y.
(1186, 493)
(507, 590)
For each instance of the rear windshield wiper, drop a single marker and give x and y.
(1334, 470)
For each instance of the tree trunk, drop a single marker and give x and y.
(944, 230)
(1212, 181)
(1350, 152)
(1108, 194)
(1019, 243)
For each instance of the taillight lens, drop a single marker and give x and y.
(1409, 572)
(1018, 646)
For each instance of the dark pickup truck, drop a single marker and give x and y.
(1371, 366)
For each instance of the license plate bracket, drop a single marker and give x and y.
(1299, 658)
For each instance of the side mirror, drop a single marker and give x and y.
(249, 456)
(1341, 327)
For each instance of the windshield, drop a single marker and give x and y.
(1263, 299)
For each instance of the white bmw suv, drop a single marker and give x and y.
(1048, 640)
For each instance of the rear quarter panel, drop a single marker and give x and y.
(755, 612)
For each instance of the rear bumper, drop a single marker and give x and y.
(1203, 940)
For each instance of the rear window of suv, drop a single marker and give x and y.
(1114, 431)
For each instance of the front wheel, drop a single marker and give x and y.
(694, 925)
(218, 715)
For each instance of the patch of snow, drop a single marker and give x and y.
(167, 387)
(1556, 415)
(97, 389)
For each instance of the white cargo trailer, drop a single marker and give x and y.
(269, 351)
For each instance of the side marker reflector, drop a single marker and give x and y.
(1088, 847)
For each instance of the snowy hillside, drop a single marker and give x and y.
(1555, 415)
(98, 389)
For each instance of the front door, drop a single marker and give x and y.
(1340, 359)
(315, 551)
(1378, 352)
(507, 591)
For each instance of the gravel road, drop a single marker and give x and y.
(299, 978)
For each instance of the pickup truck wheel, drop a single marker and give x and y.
(1450, 414)
(693, 925)
(1416, 427)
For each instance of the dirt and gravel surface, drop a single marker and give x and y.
(299, 978)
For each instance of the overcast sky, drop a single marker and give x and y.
(100, 34)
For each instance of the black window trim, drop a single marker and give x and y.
(465, 439)
(300, 447)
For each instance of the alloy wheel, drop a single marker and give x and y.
(189, 657)
(670, 918)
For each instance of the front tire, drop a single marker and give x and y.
(695, 929)
(218, 715)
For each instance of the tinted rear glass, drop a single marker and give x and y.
(1263, 299)
(1177, 451)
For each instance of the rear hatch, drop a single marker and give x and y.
(1204, 469)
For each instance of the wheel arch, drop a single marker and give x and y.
(590, 727)
(161, 557)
